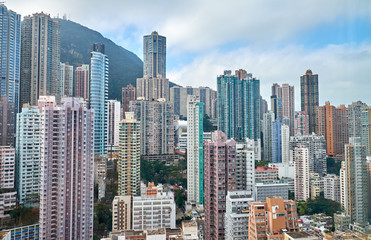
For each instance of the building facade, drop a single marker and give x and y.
(357, 180)
(156, 126)
(154, 211)
(154, 56)
(121, 213)
(82, 81)
(317, 151)
(66, 79)
(98, 97)
(179, 95)
(301, 177)
(40, 58)
(238, 105)
(332, 123)
(28, 151)
(268, 119)
(128, 94)
(237, 215)
(309, 97)
(331, 190)
(219, 170)
(67, 171)
(114, 117)
(268, 218)
(10, 53)
(195, 151)
(245, 165)
(129, 156)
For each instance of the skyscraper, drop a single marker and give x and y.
(276, 142)
(114, 117)
(366, 129)
(67, 171)
(195, 151)
(245, 166)
(10, 51)
(332, 124)
(357, 180)
(288, 105)
(99, 96)
(28, 152)
(40, 58)
(66, 79)
(154, 55)
(179, 95)
(316, 146)
(309, 97)
(7, 122)
(129, 156)
(156, 126)
(285, 143)
(268, 119)
(82, 81)
(239, 105)
(153, 88)
(301, 177)
(128, 94)
(219, 169)
(301, 123)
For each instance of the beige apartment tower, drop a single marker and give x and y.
(129, 156)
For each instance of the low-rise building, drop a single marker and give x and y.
(277, 188)
(342, 221)
(265, 174)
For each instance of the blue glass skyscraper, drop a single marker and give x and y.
(238, 107)
(99, 96)
(10, 41)
(276, 141)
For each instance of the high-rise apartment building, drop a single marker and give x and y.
(366, 129)
(263, 107)
(128, 94)
(179, 95)
(154, 84)
(331, 185)
(288, 105)
(355, 119)
(129, 156)
(245, 165)
(99, 96)
(67, 171)
(82, 81)
(10, 51)
(276, 101)
(268, 219)
(113, 118)
(357, 187)
(238, 105)
(121, 213)
(28, 152)
(7, 167)
(40, 58)
(66, 79)
(156, 126)
(276, 141)
(285, 143)
(317, 151)
(301, 123)
(237, 215)
(343, 187)
(7, 122)
(332, 124)
(309, 97)
(154, 55)
(301, 177)
(195, 151)
(153, 88)
(220, 176)
(268, 119)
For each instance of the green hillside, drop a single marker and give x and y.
(76, 43)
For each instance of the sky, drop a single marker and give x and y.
(277, 41)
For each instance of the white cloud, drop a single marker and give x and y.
(344, 72)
